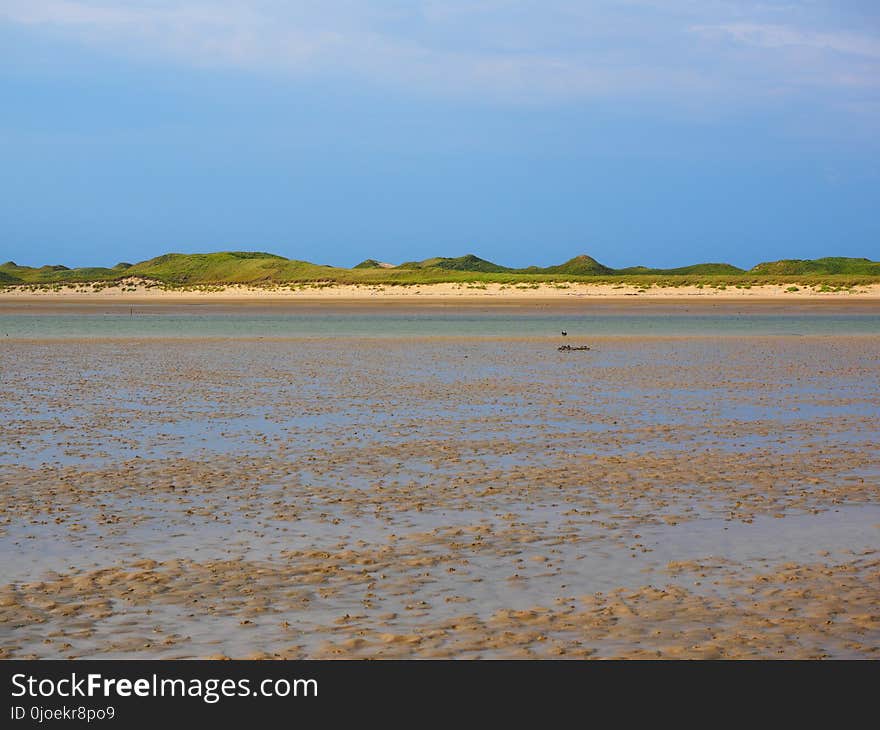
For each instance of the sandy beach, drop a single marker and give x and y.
(694, 497)
(137, 291)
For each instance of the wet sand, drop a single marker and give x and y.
(440, 497)
(428, 305)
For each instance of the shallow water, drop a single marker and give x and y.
(306, 497)
(427, 324)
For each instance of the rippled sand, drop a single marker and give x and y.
(652, 497)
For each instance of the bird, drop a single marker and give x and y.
(564, 333)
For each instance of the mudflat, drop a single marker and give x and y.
(440, 497)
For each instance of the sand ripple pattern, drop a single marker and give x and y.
(440, 497)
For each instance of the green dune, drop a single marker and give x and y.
(830, 265)
(694, 269)
(582, 265)
(469, 262)
(259, 268)
(57, 273)
(228, 267)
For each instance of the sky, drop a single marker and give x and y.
(640, 132)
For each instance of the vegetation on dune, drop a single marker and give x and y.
(578, 266)
(582, 265)
(228, 267)
(256, 268)
(693, 270)
(469, 262)
(26, 274)
(829, 265)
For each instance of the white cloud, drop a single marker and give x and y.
(519, 49)
(776, 36)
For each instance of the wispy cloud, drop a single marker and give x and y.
(514, 49)
(777, 36)
(793, 57)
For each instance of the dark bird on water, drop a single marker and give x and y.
(564, 333)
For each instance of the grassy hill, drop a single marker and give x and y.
(228, 267)
(469, 262)
(830, 265)
(582, 265)
(693, 270)
(258, 268)
(26, 274)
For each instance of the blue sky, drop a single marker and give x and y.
(638, 131)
